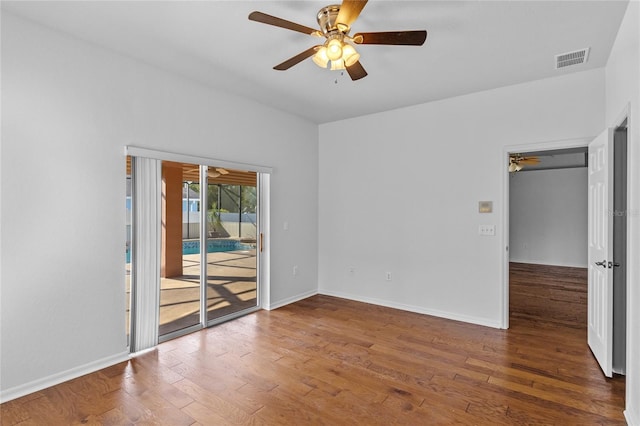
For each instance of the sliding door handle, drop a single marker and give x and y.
(261, 241)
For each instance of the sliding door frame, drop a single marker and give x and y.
(262, 249)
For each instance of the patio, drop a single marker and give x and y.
(231, 287)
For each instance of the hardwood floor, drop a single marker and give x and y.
(331, 361)
(555, 295)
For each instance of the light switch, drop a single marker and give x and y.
(487, 230)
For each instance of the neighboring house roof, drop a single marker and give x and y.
(192, 194)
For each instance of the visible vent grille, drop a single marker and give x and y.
(572, 58)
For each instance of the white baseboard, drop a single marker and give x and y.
(55, 379)
(632, 420)
(555, 263)
(292, 299)
(416, 309)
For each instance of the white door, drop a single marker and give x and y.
(600, 252)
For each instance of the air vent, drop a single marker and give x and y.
(572, 58)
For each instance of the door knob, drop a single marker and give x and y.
(603, 263)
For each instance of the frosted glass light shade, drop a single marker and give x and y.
(320, 58)
(349, 55)
(334, 49)
(337, 65)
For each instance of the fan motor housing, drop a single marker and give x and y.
(327, 19)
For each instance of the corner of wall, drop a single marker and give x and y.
(290, 300)
(54, 379)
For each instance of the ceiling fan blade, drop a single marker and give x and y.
(222, 171)
(296, 59)
(356, 71)
(279, 22)
(349, 11)
(405, 38)
(530, 160)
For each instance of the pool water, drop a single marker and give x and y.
(213, 246)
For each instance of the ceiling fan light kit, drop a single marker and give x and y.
(337, 53)
(514, 167)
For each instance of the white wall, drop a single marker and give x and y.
(68, 109)
(623, 97)
(548, 217)
(436, 161)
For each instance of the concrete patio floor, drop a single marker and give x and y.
(231, 287)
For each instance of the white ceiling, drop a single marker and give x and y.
(471, 46)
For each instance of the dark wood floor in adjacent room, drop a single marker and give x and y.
(550, 295)
(331, 361)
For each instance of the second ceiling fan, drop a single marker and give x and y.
(517, 162)
(338, 52)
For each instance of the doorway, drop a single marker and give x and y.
(618, 213)
(548, 237)
(507, 153)
(196, 243)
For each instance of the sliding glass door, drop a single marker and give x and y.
(193, 245)
(232, 229)
(208, 246)
(180, 269)
(194, 254)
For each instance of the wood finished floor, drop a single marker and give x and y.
(553, 295)
(331, 361)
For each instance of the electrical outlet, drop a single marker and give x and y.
(388, 276)
(352, 270)
(295, 270)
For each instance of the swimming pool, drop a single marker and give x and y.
(213, 246)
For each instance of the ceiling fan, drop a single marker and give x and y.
(517, 162)
(338, 52)
(212, 172)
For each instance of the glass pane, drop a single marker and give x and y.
(231, 242)
(180, 254)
